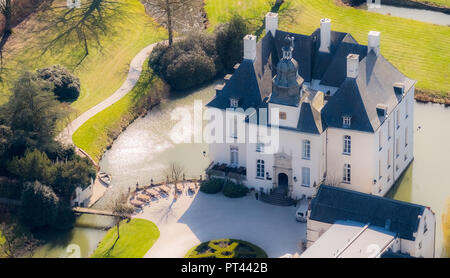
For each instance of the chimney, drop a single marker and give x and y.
(352, 65)
(325, 35)
(271, 23)
(250, 47)
(374, 42)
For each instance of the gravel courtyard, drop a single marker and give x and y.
(202, 217)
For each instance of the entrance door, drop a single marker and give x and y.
(283, 181)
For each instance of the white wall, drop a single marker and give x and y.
(292, 114)
(361, 158)
(83, 196)
(424, 243)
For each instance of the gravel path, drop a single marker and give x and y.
(202, 217)
(134, 73)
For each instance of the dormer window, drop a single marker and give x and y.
(234, 103)
(346, 121)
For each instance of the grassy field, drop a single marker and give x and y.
(136, 238)
(420, 50)
(99, 131)
(105, 68)
(226, 248)
(439, 3)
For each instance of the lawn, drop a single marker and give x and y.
(105, 68)
(420, 50)
(136, 238)
(98, 132)
(439, 3)
(226, 248)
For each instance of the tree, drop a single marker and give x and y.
(35, 165)
(84, 24)
(122, 210)
(175, 172)
(66, 86)
(32, 113)
(6, 11)
(229, 41)
(168, 11)
(72, 174)
(14, 244)
(39, 205)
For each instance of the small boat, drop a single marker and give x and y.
(104, 178)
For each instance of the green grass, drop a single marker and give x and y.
(439, 3)
(103, 71)
(136, 238)
(419, 50)
(226, 248)
(97, 133)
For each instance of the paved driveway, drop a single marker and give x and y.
(202, 217)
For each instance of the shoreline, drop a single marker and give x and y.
(402, 4)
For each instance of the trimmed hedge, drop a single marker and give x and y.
(226, 248)
(211, 186)
(234, 190)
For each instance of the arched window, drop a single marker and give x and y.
(306, 153)
(260, 168)
(347, 173)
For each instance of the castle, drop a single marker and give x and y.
(343, 114)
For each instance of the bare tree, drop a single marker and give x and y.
(122, 210)
(6, 11)
(16, 244)
(89, 21)
(171, 12)
(175, 172)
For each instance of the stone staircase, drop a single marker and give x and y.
(278, 197)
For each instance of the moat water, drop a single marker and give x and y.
(146, 147)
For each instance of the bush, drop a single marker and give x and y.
(39, 205)
(211, 186)
(187, 63)
(234, 190)
(66, 85)
(229, 41)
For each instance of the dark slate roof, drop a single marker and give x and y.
(359, 97)
(337, 204)
(395, 255)
(243, 86)
(309, 120)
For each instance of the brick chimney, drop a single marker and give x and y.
(250, 47)
(374, 42)
(352, 65)
(271, 23)
(325, 35)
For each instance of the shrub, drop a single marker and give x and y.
(188, 63)
(229, 41)
(211, 186)
(234, 190)
(39, 205)
(66, 85)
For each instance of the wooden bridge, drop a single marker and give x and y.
(93, 211)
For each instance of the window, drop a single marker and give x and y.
(306, 154)
(347, 144)
(380, 140)
(389, 158)
(234, 103)
(346, 121)
(406, 108)
(259, 147)
(283, 116)
(406, 137)
(397, 147)
(425, 227)
(398, 118)
(306, 176)
(347, 173)
(234, 151)
(260, 168)
(233, 127)
(389, 130)
(380, 169)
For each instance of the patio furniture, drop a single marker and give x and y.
(179, 188)
(165, 189)
(143, 198)
(136, 203)
(151, 192)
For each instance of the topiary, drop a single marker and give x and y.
(211, 186)
(66, 86)
(234, 190)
